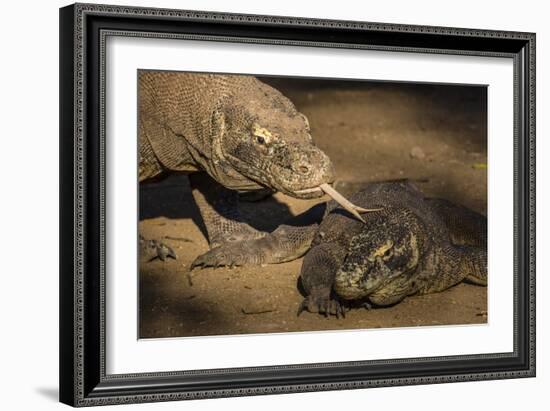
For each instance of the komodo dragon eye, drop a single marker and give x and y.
(261, 135)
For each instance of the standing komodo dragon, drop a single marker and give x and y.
(413, 245)
(232, 133)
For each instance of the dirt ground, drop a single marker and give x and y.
(434, 135)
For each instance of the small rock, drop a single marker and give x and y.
(417, 153)
(258, 304)
(258, 310)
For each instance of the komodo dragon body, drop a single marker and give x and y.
(232, 133)
(414, 245)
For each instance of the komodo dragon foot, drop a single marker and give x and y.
(230, 255)
(152, 249)
(284, 244)
(320, 301)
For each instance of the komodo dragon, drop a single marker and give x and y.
(232, 133)
(414, 245)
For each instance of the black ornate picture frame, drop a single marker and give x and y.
(83, 30)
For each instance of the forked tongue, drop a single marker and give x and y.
(345, 203)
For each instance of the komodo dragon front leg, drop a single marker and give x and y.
(286, 243)
(219, 208)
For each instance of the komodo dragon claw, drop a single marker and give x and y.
(323, 305)
(153, 249)
(228, 255)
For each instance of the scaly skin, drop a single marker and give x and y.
(413, 246)
(242, 135)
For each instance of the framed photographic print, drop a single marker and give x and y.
(257, 204)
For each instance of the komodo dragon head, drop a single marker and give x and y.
(379, 255)
(268, 142)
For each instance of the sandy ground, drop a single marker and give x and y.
(434, 135)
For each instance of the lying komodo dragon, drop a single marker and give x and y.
(413, 245)
(232, 133)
